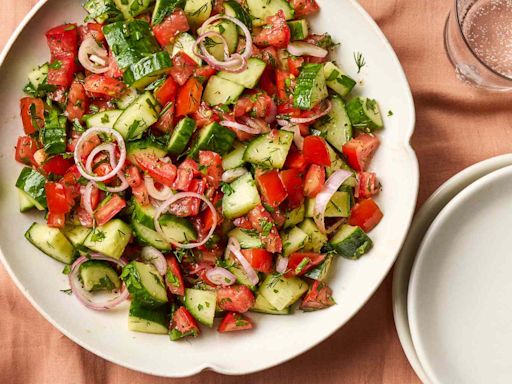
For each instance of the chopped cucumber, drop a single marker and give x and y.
(338, 206)
(335, 127)
(103, 10)
(261, 9)
(294, 217)
(228, 30)
(364, 114)
(27, 202)
(98, 275)
(249, 77)
(164, 8)
(147, 70)
(338, 163)
(198, 11)
(147, 320)
(298, 29)
(213, 137)
(241, 196)
(241, 276)
(235, 158)
(269, 150)
(52, 242)
(310, 89)
(247, 238)
(132, 8)
(138, 117)
(147, 146)
(321, 272)
(337, 80)
(185, 43)
(281, 292)
(181, 136)
(177, 229)
(38, 78)
(234, 9)
(105, 119)
(351, 242)
(221, 91)
(144, 284)
(148, 236)
(127, 98)
(109, 239)
(316, 239)
(293, 240)
(32, 183)
(54, 133)
(262, 305)
(143, 214)
(76, 234)
(201, 304)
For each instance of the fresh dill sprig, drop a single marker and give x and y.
(360, 61)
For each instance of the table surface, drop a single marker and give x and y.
(456, 127)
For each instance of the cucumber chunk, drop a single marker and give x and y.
(102, 10)
(249, 77)
(337, 80)
(177, 229)
(241, 276)
(147, 70)
(228, 30)
(281, 292)
(76, 234)
(144, 284)
(164, 8)
(38, 81)
(338, 206)
(147, 320)
(132, 8)
(234, 9)
(198, 11)
(321, 272)
(364, 114)
(235, 158)
(221, 91)
(32, 183)
(185, 43)
(181, 136)
(54, 133)
(201, 304)
(310, 89)
(148, 236)
(138, 117)
(51, 241)
(213, 137)
(336, 127)
(241, 197)
(262, 305)
(338, 163)
(247, 238)
(109, 239)
(261, 9)
(147, 146)
(105, 119)
(126, 99)
(316, 239)
(99, 276)
(293, 240)
(294, 217)
(299, 29)
(143, 214)
(269, 150)
(27, 202)
(351, 242)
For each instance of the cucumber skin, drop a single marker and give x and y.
(214, 137)
(262, 143)
(234, 9)
(143, 238)
(311, 87)
(32, 183)
(181, 136)
(358, 117)
(133, 282)
(140, 74)
(353, 246)
(152, 317)
(54, 133)
(68, 259)
(163, 8)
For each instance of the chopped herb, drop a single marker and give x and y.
(97, 236)
(66, 270)
(390, 113)
(67, 291)
(360, 61)
(226, 188)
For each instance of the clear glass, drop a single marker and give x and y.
(478, 41)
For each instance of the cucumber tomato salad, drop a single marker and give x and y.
(199, 158)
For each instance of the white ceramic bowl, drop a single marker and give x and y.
(275, 339)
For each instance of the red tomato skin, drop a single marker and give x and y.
(167, 92)
(319, 296)
(57, 165)
(260, 259)
(141, 194)
(304, 7)
(189, 206)
(294, 185)
(104, 85)
(78, 102)
(213, 164)
(259, 219)
(359, 151)
(314, 180)
(174, 277)
(294, 65)
(186, 172)
(189, 97)
(91, 29)
(283, 93)
(183, 67)
(271, 187)
(204, 72)
(58, 198)
(367, 185)
(316, 152)
(113, 69)
(296, 160)
(25, 148)
(164, 173)
(268, 81)
(166, 120)
(133, 176)
(235, 322)
(170, 27)
(56, 220)
(236, 298)
(183, 325)
(295, 259)
(63, 44)
(32, 122)
(109, 210)
(70, 181)
(275, 33)
(365, 214)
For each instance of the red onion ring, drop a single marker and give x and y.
(233, 174)
(240, 127)
(90, 49)
(156, 194)
(155, 257)
(78, 151)
(87, 198)
(301, 48)
(297, 137)
(82, 295)
(256, 123)
(322, 199)
(121, 187)
(234, 247)
(306, 120)
(336, 225)
(221, 276)
(165, 205)
(281, 264)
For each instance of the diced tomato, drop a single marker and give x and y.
(359, 151)
(63, 44)
(162, 172)
(170, 27)
(268, 81)
(59, 199)
(173, 277)
(32, 114)
(166, 119)
(260, 259)
(187, 170)
(319, 296)
(84, 217)
(315, 151)
(141, 194)
(236, 298)
(367, 185)
(242, 222)
(183, 325)
(300, 263)
(271, 187)
(113, 69)
(207, 220)
(283, 91)
(294, 64)
(104, 85)
(205, 115)
(61, 73)
(205, 72)
(109, 209)
(91, 29)
(70, 181)
(296, 160)
(234, 322)
(25, 148)
(189, 206)
(268, 55)
(294, 185)
(56, 220)
(189, 97)
(57, 165)
(167, 91)
(275, 33)
(77, 101)
(183, 66)
(263, 223)
(314, 181)
(212, 163)
(133, 176)
(304, 7)
(88, 145)
(365, 214)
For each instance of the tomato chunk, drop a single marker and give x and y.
(63, 44)
(235, 322)
(319, 296)
(263, 223)
(367, 185)
(183, 325)
(189, 97)
(162, 172)
(78, 102)
(365, 214)
(170, 27)
(56, 220)
(236, 298)
(359, 151)
(109, 209)
(315, 180)
(300, 263)
(183, 66)
(104, 85)
(271, 187)
(57, 165)
(304, 7)
(186, 172)
(173, 277)
(212, 163)
(316, 152)
(260, 259)
(294, 185)
(59, 199)
(275, 33)
(32, 114)
(25, 149)
(167, 92)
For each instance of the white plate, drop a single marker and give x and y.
(276, 338)
(403, 266)
(459, 306)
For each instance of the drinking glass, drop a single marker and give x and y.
(478, 41)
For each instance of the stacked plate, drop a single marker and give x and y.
(452, 288)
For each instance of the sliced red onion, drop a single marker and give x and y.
(306, 120)
(220, 276)
(281, 264)
(234, 247)
(322, 199)
(297, 137)
(182, 195)
(156, 194)
(336, 225)
(83, 296)
(240, 127)
(155, 257)
(92, 56)
(301, 48)
(233, 174)
(259, 124)
(87, 173)
(87, 198)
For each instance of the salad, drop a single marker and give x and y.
(199, 158)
